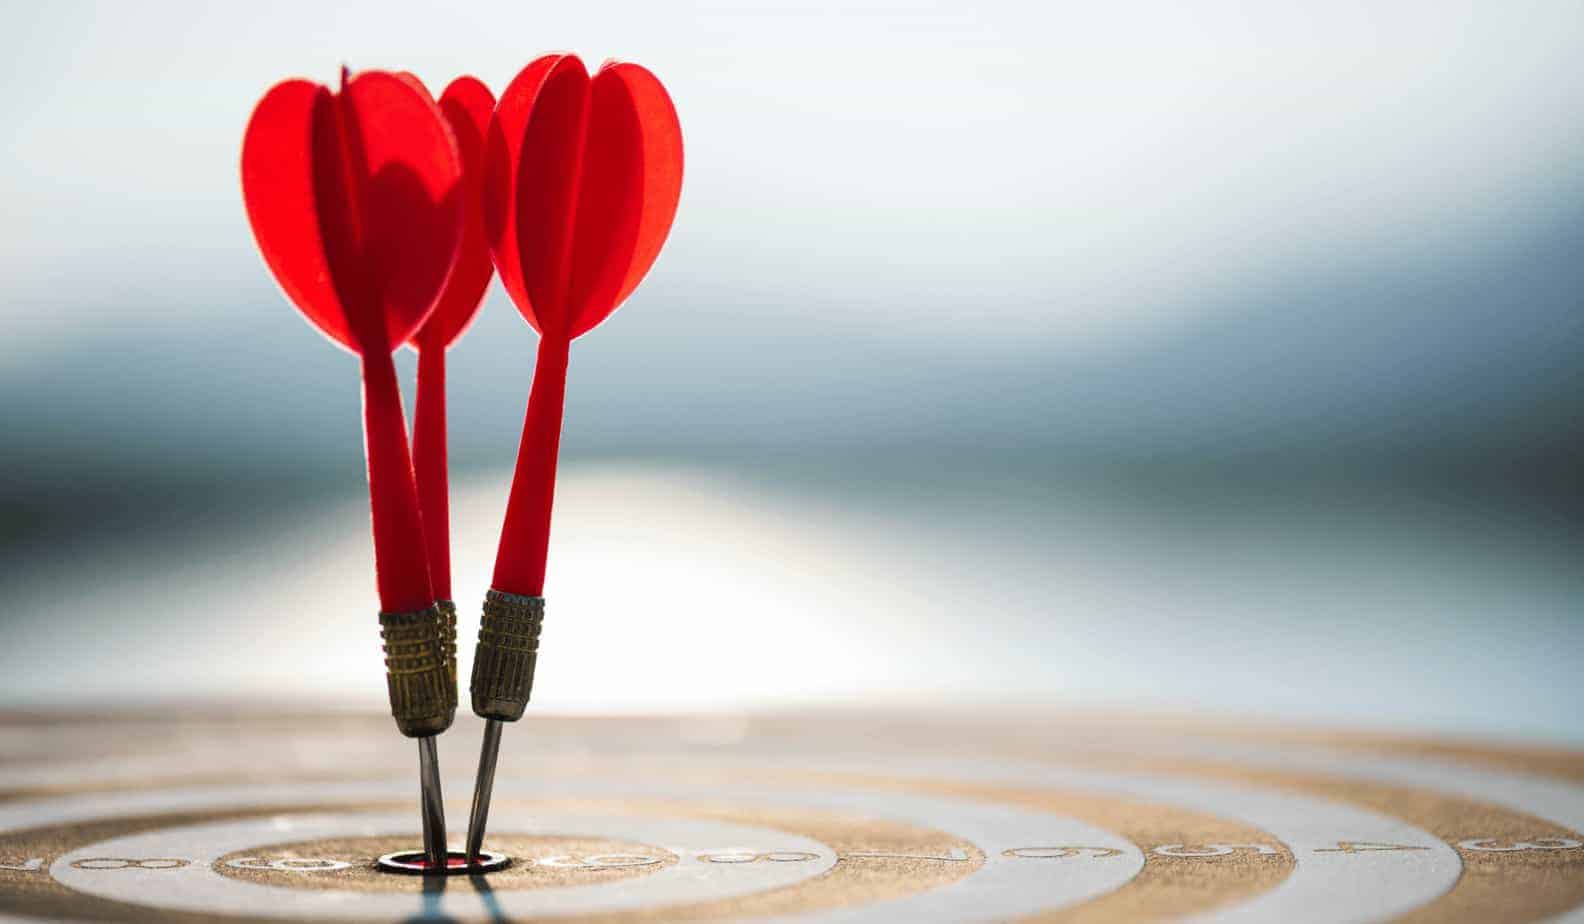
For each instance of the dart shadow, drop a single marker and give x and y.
(434, 888)
(404, 243)
(486, 895)
(389, 234)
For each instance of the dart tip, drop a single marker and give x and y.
(483, 787)
(431, 804)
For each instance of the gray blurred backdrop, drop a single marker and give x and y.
(1214, 357)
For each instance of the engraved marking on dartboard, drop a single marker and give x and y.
(753, 856)
(1202, 851)
(1061, 853)
(110, 863)
(290, 864)
(1366, 847)
(597, 861)
(1501, 845)
(954, 855)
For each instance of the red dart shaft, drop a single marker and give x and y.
(525, 537)
(429, 461)
(400, 563)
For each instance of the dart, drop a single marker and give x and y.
(354, 197)
(581, 182)
(466, 105)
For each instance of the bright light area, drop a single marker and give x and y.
(674, 589)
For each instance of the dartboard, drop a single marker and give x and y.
(822, 817)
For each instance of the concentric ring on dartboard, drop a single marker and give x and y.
(1014, 885)
(200, 888)
(1016, 880)
(535, 862)
(1250, 857)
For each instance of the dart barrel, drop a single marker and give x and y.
(503, 662)
(422, 695)
(448, 647)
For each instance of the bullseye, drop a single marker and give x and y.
(415, 863)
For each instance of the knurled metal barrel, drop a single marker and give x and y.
(503, 662)
(448, 647)
(423, 700)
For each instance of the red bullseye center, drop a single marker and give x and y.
(415, 862)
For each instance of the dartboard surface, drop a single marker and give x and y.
(837, 816)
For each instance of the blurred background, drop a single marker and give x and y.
(1211, 357)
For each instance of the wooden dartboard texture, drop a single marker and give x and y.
(839, 816)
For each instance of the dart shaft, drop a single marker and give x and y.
(525, 534)
(429, 465)
(431, 804)
(483, 788)
(400, 558)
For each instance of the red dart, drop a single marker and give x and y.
(581, 181)
(466, 105)
(355, 198)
